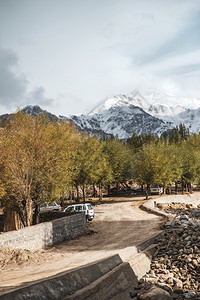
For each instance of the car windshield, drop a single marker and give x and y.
(69, 208)
(89, 206)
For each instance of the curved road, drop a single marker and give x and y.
(116, 228)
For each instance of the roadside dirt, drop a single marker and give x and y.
(116, 228)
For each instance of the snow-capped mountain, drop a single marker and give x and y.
(167, 106)
(149, 112)
(191, 119)
(157, 103)
(121, 121)
(140, 112)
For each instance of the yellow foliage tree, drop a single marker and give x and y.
(35, 155)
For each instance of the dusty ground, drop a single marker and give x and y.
(117, 227)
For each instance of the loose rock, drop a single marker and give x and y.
(154, 293)
(176, 261)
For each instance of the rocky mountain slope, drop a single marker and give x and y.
(31, 110)
(150, 112)
(121, 121)
(139, 112)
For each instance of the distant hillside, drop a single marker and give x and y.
(32, 111)
(36, 111)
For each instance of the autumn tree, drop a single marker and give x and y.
(34, 166)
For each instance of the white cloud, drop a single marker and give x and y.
(14, 87)
(82, 51)
(12, 84)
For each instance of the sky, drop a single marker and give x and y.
(67, 55)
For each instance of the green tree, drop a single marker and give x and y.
(190, 159)
(135, 142)
(119, 158)
(88, 163)
(147, 166)
(170, 162)
(102, 173)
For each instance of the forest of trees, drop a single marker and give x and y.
(43, 160)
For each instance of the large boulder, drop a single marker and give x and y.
(154, 292)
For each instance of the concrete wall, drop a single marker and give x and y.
(105, 279)
(45, 234)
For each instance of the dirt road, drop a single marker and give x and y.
(117, 227)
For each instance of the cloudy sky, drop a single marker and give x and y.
(66, 55)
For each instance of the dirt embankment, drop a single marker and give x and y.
(116, 228)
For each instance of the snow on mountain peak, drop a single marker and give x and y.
(168, 99)
(157, 103)
(141, 112)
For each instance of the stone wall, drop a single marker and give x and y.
(109, 278)
(45, 234)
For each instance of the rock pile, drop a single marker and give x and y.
(176, 262)
(181, 209)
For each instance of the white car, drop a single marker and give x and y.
(86, 208)
(50, 207)
(156, 189)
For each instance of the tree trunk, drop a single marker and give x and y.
(108, 190)
(28, 212)
(176, 188)
(164, 190)
(100, 192)
(78, 196)
(36, 215)
(83, 189)
(183, 187)
(94, 191)
(62, 202)
(147, 191)
(117, 188)
(190, 188)
(12, 220)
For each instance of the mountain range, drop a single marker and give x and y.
(139, 112)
